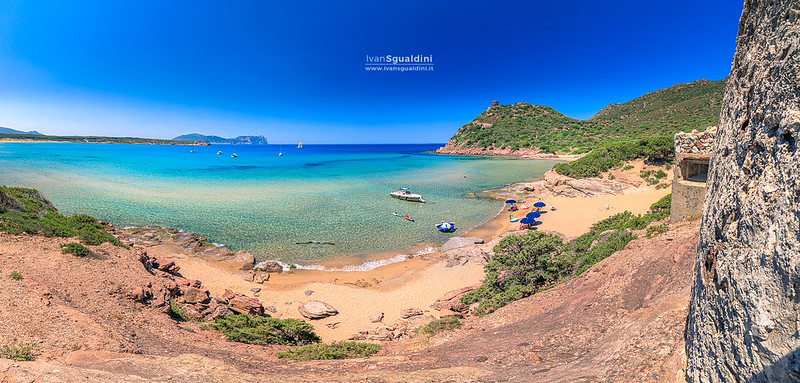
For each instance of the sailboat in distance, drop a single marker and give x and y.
(300, 145)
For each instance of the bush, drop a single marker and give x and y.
(660, 174)
(76, 249)
(335, 350)
(22, 352)
(655, 148)
(627, 167)
(522, 264)
(656, 229)
(15, 275)
(445, 323)
(176, 311)
(251, 329)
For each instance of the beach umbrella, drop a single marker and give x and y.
(539, 204)
(511, 201)
(527, 220)
(533, 214)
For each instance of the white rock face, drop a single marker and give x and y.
(743, 324)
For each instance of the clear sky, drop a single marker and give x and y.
(295, 70)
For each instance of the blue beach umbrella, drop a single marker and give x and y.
(511, 201)
(533, 214)
(539, 204)
(527, 220)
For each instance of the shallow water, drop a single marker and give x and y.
(266, 203)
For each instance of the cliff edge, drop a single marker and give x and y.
(743, 323)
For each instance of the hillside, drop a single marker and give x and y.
(523, 128)
(240, 140)
(14, 131)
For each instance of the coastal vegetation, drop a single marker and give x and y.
(682, 107)
(15, 275)
(75, 249)
(251, 329)
(21, 352)
(438, 325)
(24, 210)
(527, 263)
(653, 149)
(95, 139)
(328, 351)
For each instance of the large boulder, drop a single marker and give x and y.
(743, 319)
(452, 300)
(240, 303)
(194, 294)
(270, 267)
(410, 312)
(316, 310)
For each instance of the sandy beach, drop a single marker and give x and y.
(414, 283)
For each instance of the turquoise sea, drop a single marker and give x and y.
(265, 203)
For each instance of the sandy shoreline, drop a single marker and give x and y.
(415, 282)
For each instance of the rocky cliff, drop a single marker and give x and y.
(743, 323)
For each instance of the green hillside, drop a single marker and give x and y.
(95, 139)
(682, 107)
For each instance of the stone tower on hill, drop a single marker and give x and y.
(744, 322)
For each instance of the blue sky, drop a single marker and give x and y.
(295, 70)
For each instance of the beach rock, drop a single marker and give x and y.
(333, 325)
(181, 281)
(164, 264)
(375, 318)
(458, 242)
(408, 313)
(194, 295)
(271, 309)
(743, 319)
(452, 300)
(255, 289)
(270, 267)
(308, 292)
(260, 277)
(316, 310)
(241, 260)
(218, 311)
(246, 305)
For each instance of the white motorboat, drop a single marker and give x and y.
(219, 152)
(403, 193)
(234, 155)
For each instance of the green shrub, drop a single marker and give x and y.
(445, 323)
(263, 330)
(76, 249)
(645, 173)
(611, 176)
(21, 352)
(656, 229)
(15, 275)
(627, 167)
(176, 311)
(522, 264)
(660, 174)
(664, 204)
(614, 243)
(654, 148)
(335, 350)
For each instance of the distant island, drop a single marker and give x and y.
(14, 131)
(240, 140)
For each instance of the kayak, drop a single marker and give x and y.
(404, 216)
(514, 219)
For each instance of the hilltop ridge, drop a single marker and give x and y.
(525, 129)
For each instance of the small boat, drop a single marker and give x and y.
(300, 145)
(219, 152)
(234, 155)
(446, 227)
(403, 193)
(404, 216)
(280, 153)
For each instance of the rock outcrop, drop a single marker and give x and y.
(743, 322)
(316, 310)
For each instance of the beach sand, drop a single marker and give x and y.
(414, 283)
